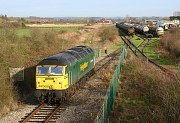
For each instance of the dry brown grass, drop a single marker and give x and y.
(147, 95)
(171, 42)
(8, 97)
(55, 25)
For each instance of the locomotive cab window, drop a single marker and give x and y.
(42, 70)
(50, 70)
(56, 70)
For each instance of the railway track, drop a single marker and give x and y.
(106, 60)
(134, 49)
(45, 113)
(146, 41)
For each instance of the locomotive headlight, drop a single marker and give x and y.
(38, 80)
(60, 80)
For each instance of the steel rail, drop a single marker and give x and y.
(33, 113)
(53, 113)
(110, 56)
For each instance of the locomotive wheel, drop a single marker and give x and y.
(41, 99)
(74, 90)
(48, 99)
(67, 95)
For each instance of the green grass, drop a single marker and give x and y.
(149, 50)
(27, 31)
(136, 40)
(61, 28)
(117, 45)
(159, 58)
(23, 32)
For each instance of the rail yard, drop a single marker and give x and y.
(76, 75)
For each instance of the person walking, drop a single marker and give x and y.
(105, 50)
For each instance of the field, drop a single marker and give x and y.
(27, 31)
(55, 25)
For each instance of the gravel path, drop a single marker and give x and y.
(15, 116)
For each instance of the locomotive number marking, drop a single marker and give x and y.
(49, 78)
(43, 86)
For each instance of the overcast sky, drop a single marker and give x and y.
(90, 8)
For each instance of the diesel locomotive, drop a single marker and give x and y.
(56, 75)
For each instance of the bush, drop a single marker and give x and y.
(108, 33)
(171, 42)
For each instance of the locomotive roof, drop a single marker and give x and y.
(69, 56)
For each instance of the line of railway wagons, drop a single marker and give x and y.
(140, 29)
(149, 31)
(126, 28)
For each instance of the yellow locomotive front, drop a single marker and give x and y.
(50, 77)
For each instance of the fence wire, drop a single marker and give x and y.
(107, 105)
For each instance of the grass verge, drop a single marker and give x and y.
(146, 95)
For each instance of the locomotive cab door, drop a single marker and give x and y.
(70, 77)
(69, 71)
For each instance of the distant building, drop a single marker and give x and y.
(166, 24)
(37, 20)
(13, 21)
(177, 13)
(104, 22)
(177, 22)
(151, 22)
